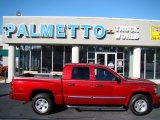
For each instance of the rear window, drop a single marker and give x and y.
(80, 73)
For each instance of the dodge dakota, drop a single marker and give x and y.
(86, 86)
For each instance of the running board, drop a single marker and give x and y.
(96, 107)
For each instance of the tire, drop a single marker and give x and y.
(42, 104)
(140, 104)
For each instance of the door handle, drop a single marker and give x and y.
(70, 84)
(99, 85)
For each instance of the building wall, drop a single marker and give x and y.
(5, 46)
(5, 61)
(112, 26)
(1, 49)
(0, 40)
(56, 31)
(5, 58)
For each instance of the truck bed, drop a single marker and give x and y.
(41, 75)
(26, 87)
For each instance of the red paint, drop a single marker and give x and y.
(90, 92)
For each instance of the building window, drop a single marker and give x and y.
(24, 58)
(120, 59)
(127, 53)
(91, 54)
(1, 55)
(68, 54)
(58, 52)
(43, 58)
(46, 59)
(103, 54)
(36, 58)
(143, 56)
(158, 63)
(82, 54)
(150, 63)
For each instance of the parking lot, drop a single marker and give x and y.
(11, 109)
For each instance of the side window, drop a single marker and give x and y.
(80, 73)
(104, 75)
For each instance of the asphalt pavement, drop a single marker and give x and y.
(12, 109)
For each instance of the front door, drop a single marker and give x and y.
(106, 90)
(107, 59)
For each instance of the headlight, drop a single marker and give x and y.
(156, 89)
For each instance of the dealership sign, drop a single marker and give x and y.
(57, 30)
(155, 32)
(60, 31)
(127, 33)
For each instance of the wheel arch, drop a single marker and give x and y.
(136, 93)
(38, 91)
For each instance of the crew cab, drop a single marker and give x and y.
(86, 86)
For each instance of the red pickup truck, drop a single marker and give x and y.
(86, 86)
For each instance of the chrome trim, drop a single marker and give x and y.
(105, 97)
(108, 97)
(80, 96)
(96, 107)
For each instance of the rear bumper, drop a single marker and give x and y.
(19, 96)
(11, 95)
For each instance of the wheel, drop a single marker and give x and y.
(42, 104)
(140, 104)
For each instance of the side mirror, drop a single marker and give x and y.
(118, 80)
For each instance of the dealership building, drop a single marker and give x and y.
(129, 46)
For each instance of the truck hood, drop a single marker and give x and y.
(139, 80)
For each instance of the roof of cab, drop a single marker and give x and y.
(84, 64)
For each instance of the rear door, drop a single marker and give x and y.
(77, 89)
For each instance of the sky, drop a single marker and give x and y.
(134, 9)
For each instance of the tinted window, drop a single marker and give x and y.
(80, 73)
(103, 74)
